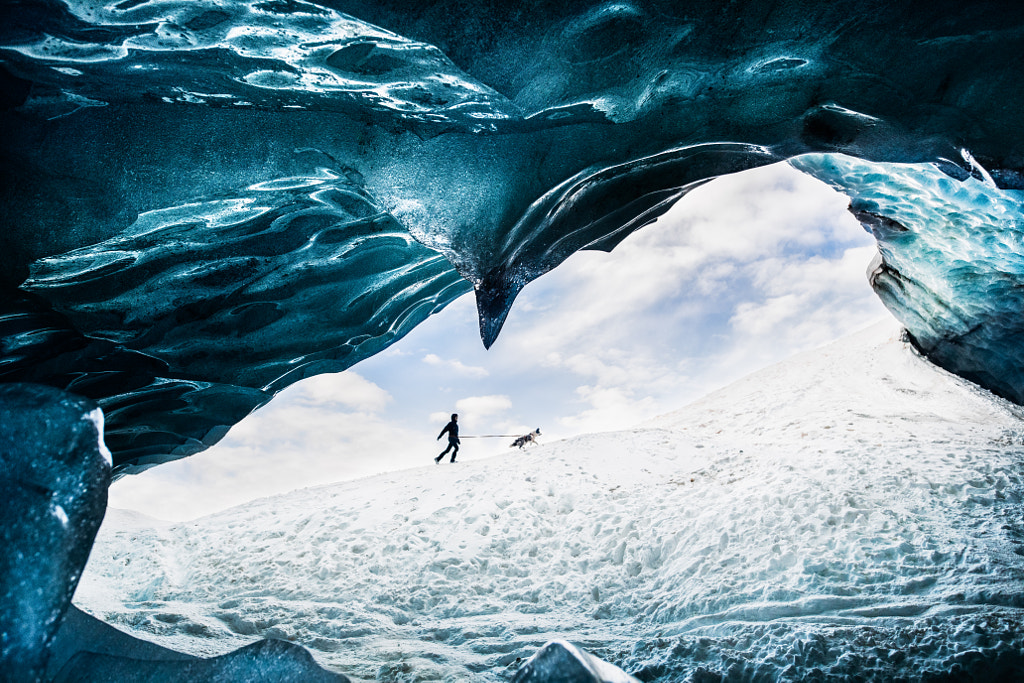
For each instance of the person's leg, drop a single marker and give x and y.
(445, 451)
(455, 452)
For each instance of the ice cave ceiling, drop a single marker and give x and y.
(206, 200)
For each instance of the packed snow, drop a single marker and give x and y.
(854, 511)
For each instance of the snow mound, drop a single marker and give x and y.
(853, 512)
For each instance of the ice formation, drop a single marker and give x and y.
(265, 661)
(801, 524)
(950, 264)
(222, 312)
(54, 475)
(563, 661)
(206, 201)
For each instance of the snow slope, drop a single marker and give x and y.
(851, 512)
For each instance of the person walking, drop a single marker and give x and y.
(452, 428)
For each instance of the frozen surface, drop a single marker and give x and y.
(951, 260)
(186, 185)
(562, 662)
(852, 512)
(266, 661)
(237, 297)
(54, 473)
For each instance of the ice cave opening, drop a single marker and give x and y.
(206, 203)
(779, 264)
(745, 271)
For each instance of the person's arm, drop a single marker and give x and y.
(446, 428)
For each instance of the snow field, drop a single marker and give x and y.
(854, 511)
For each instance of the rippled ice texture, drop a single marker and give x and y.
(851, 512)
(951, 260)
(411, 151)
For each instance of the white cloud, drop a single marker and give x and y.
(478, 412)
(440, 418)
(326, 428)
(476, 407)
(804, 294)
(455, 366)
(759, 319)
(343, 388)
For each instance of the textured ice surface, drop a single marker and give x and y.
(239, 297)
(87, 649)
(54, 474)
(81, 632)
(951, 261)
(266, 661)
(503, 136)
(268, 54)
(802, 523)
(562, 662)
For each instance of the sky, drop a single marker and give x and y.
(743, 272)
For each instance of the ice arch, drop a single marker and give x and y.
(206, 201)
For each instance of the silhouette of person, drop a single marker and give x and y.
(453, 438)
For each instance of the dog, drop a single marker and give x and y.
(526, 439)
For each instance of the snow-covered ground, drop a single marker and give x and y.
(851, 512)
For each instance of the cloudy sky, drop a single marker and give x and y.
(743, 272)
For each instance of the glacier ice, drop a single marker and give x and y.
(206, 201)
(86, 648)
(265, 661)
(563, 662)
(82, 632)
(951, 261)
(223, 302)
(54, 474)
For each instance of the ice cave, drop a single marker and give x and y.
(207, 201)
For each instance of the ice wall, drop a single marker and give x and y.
(223, 302)
(54, 472)
(205, 201)
(950, 265)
